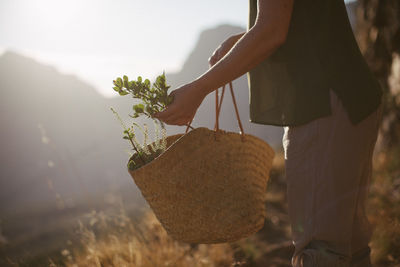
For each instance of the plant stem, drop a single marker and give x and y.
(133, 144)
(159, 105)
(127, 130)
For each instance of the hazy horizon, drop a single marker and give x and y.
(99, 40)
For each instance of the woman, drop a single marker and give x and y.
(306, 73)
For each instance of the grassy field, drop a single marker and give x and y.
(115, 237)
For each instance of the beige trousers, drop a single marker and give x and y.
(328, 170)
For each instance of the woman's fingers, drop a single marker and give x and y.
(171, 115)
(176, 120)
(214, 58)
(186, 101)
(174, 116)
(168, 111)
(165, 114)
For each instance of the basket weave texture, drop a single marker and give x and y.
(205, 189)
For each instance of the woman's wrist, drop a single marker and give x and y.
(201, 87)
(238, 36)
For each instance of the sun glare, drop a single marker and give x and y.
(56, 13)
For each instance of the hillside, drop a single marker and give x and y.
(54, 128)
(62, 155)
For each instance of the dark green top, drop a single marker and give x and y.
(291, 87)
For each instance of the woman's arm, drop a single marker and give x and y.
(224, 48)
(268, 33)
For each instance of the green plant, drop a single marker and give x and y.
(154, 98)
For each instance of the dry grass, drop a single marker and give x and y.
(119, 241)
(385, 208)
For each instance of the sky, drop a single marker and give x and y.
(98, 40)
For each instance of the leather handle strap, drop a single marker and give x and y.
(236, 111)
(218, 104)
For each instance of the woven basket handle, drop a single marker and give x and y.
(218, 104)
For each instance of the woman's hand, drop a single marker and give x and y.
(188, 98)
(224, 48)
(181, 111)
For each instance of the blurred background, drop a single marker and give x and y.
(63, 160)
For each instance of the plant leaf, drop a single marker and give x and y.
(119, 82)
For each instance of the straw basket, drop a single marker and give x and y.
(209, 185)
